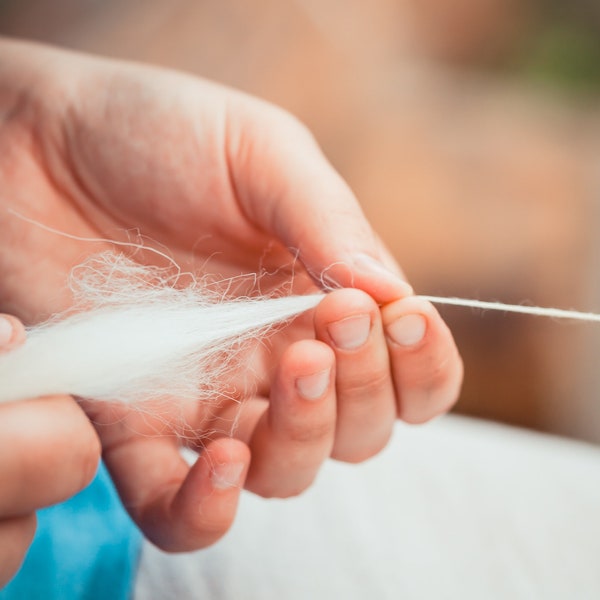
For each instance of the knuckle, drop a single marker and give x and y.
(357, 455)
(425, 404)
(446, 384)
(439, 372)
(374, 385)
(192, 535)
(435, 392)
(354, 452)
(306, 433)
(283, 491)
(293, 491)
(208, 530)
(416, 415)
(167, 543)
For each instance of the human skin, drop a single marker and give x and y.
(230, 185)
(48, 451)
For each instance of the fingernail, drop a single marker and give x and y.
(368, 263)
(227, 476)
(350, 333)
(312, 387)
(408, 330)
(6, 331)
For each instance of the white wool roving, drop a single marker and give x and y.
(134, 336)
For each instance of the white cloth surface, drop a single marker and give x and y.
(458, 508)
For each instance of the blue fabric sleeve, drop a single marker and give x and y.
(86, 548)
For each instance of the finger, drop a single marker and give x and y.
(48, 452)
(177, 507)
(16, 535)
(350, 321)
(426, 366)
(295, 435)
(12, 332)
(280, 176)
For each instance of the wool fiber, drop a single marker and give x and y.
(134, 334)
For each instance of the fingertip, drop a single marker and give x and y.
(345, 319)
(305, 370)
(409, 321)
(206, 505)
(363, 271)
(305, 357)
(12, 332)
(426, 365)
(344, 302)
(227, 461)
(407, 331)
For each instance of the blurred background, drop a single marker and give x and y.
(469, 129)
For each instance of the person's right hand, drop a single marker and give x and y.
(227, 185)
(48, 452)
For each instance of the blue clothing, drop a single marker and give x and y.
(86, 548)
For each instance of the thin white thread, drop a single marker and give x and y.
(92, 240)
(552, 313)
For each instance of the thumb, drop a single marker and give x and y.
(286, 186)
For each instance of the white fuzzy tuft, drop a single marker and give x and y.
(134, 336)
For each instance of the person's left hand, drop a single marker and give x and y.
(49, 451)
(95, 148)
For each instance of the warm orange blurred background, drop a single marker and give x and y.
(469, 129)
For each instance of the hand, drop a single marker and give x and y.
(230, 183)
(48, 452)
